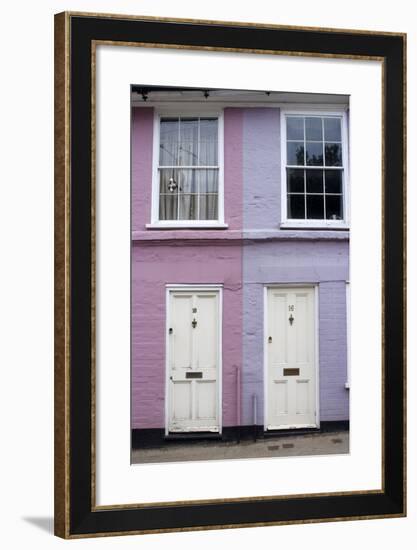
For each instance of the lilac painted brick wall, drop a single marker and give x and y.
(261, 169)
(334, 402)
(304, 262)
(274, 256)
(233, 165)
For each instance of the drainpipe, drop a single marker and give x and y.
(255, 408)
(238, 403)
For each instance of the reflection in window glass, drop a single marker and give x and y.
(295, 128)
(296, 206)
(315, 187)
(295, 153)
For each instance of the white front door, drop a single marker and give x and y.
(194, 360)
(290, 349)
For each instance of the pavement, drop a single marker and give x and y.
(279, 446)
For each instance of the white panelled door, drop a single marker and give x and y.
(194, 360)
(290, 349)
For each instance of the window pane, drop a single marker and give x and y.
(188, 149)
(314, 181)
(334, 207)
(314, 129)
(209, 181)
(168, 207)
(333, 152)
(296, 208)
(208, 207)
(295, 128)
(315, 207)
(187, 207)
(168, 148)
(333, 181)
(295, 153)
(314, 154)
(187, 181)
(295, 180)
(169, 180)
(332, 129)
(208, 142)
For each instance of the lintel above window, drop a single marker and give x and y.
(188, 171)
(314, 169)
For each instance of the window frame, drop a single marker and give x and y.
(306, 111)
(191, 112)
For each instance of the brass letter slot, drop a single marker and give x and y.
(291, 372)
(193, 375)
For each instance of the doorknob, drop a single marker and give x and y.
(194, 323)
(291, 319)
(270, 340)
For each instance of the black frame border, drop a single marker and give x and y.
(75, 512)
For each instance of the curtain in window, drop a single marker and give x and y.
(191, 192)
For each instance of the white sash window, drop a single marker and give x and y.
(315, 169)
(187, 173)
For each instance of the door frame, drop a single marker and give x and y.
(266, 287)
(194, 288)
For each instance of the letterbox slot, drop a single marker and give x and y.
(291, 372)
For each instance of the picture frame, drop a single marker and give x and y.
(76, 37)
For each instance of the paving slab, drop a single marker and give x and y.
(280, 446)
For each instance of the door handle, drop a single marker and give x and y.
(270, 340)
(194, 323)
(291, 319)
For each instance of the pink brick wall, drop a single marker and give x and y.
(142, 139)
(154, 266)
(192, 257)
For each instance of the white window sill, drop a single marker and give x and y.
(317, 224)
(187, 225)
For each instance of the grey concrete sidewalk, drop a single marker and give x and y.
(288, 445)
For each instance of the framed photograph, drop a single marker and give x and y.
(229, 275)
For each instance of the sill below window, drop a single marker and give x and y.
(187, 225)
(316, 225)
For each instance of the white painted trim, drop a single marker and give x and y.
(291, 427)
(186, 225)
(155, 162)
(317, 349)
(220, 373)
(314, 224)
(306, 110)
(181, 111)
(171, 106)
(166, 400)
(315, 286)
(195, 288)
(220, 160)
(192, 109)
(265, 361)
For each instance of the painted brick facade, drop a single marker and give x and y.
(251, 253)
(153, 266)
